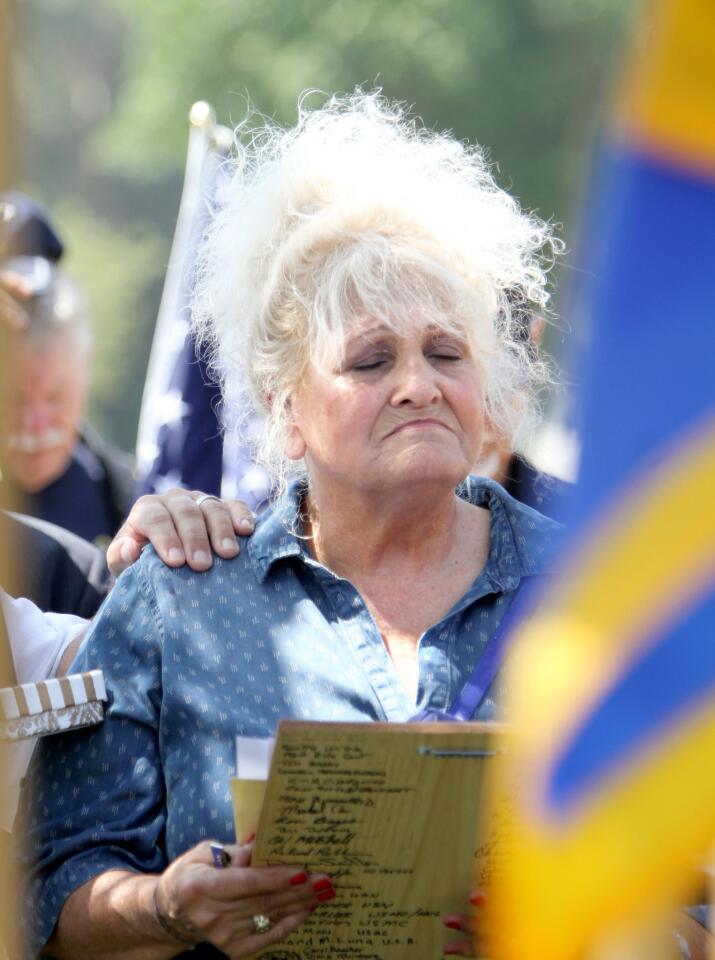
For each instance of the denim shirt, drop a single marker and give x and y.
(191, 660)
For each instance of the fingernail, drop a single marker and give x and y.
(251, 838)
(247, 524)
(298, 878)
(228, 544)
(322, 885)
(450, 951)
(126, 553)
(201, 556)
(452, 924)
(176, 555)
(327, 895)
(477, 899)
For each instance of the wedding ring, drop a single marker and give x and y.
(204, 497)
(261, 923)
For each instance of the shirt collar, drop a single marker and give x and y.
(277, 531)
(522, 541)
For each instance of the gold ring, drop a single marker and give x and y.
(261, 923)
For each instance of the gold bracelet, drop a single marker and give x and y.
(166, 925)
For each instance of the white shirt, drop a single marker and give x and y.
(37, 641)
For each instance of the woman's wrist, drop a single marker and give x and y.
(180, 931)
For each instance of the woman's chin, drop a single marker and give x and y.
(433, 471)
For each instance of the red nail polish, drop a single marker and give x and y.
(326, 895)
(477, 899)
(450, 951)
(322, 885)
(452, 924)
(298, 878)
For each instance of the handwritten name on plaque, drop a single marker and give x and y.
(390, 812)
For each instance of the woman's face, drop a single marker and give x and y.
(402, 408)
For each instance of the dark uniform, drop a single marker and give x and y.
(93, 495)
(538, 490)
(57, 570)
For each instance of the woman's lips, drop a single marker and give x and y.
(419, 424)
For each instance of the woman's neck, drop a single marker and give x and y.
(411, 556)
(355, 531)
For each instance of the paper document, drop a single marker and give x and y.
(390, 812)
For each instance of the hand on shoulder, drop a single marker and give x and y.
(183, 526)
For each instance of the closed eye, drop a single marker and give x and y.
(368, 364)
(445, 354)
(371, 361)
(445, 349)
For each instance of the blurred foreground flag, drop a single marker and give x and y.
(611, 778)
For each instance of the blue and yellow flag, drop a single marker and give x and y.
(611, 776)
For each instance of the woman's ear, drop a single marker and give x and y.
(295, 445)
(495, 454)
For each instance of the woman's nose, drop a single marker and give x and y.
(416, 383)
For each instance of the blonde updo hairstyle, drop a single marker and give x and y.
(360, 212)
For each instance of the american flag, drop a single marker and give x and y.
(181, 437)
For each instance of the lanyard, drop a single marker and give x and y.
(482, 677)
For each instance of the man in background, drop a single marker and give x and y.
(55, 466)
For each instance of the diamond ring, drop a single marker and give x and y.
(261, 923)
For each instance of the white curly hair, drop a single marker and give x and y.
(360, 211)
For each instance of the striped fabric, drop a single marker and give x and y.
(28, 699)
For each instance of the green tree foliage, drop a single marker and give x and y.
(106, 88)
(115, 270)
(524, 77)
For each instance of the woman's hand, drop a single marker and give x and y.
(121, 915)
(466, 923)
(180, 529)
(196, 902)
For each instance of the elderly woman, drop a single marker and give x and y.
(357, 283)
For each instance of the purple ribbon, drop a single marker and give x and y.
(482, 677)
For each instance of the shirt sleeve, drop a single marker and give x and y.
(95, 797)
(37, 639)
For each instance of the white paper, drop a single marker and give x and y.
(253, 757)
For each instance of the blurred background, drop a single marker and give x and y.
(101, 92)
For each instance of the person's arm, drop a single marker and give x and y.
(95, 846)
(122, 915)
(180, 530)
(38, 641)
(70, 652)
